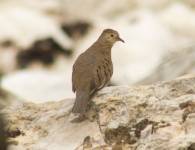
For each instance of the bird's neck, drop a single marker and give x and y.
(103, 47)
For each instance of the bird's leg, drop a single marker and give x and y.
(83, 116)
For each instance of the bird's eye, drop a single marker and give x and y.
(112, 35)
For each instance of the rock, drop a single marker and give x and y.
(173, 65)
(183, 25)
(8, 59)
(48, 7)
(29, 25)
(190, 3)
(139, 117)
(77, 29)
(100, 9)
(153, 4)
(45, 129)
(39, 85)
(33, 23)
(44, 51)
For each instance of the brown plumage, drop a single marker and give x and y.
(93, 69)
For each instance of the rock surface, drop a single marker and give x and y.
(173, 65)
(26, 85)
(158, 116)
(28, 25)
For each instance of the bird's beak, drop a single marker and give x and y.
(119, 39)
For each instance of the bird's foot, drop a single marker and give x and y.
(79, 119)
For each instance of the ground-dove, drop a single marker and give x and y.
(93, 69)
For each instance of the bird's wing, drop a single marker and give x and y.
(103, 73)
(73, 79)
(82, 73)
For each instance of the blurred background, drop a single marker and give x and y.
(40, 39)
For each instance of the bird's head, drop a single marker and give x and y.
(110, 36)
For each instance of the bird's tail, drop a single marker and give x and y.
(81, 102)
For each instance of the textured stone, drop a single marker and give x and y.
(173, 65)
(26, 85)
(157, 116)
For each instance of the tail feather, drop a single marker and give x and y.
(81, 102)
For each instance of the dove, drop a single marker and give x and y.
(93, 70)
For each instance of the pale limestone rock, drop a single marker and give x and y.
(101, 9)
(46, 6)
(180, 18)
(8, 59)
(157, 116)
(152, 3)
(190, 2)
(24, 25)
(39, 85)
(174, 64)
(41, 124)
